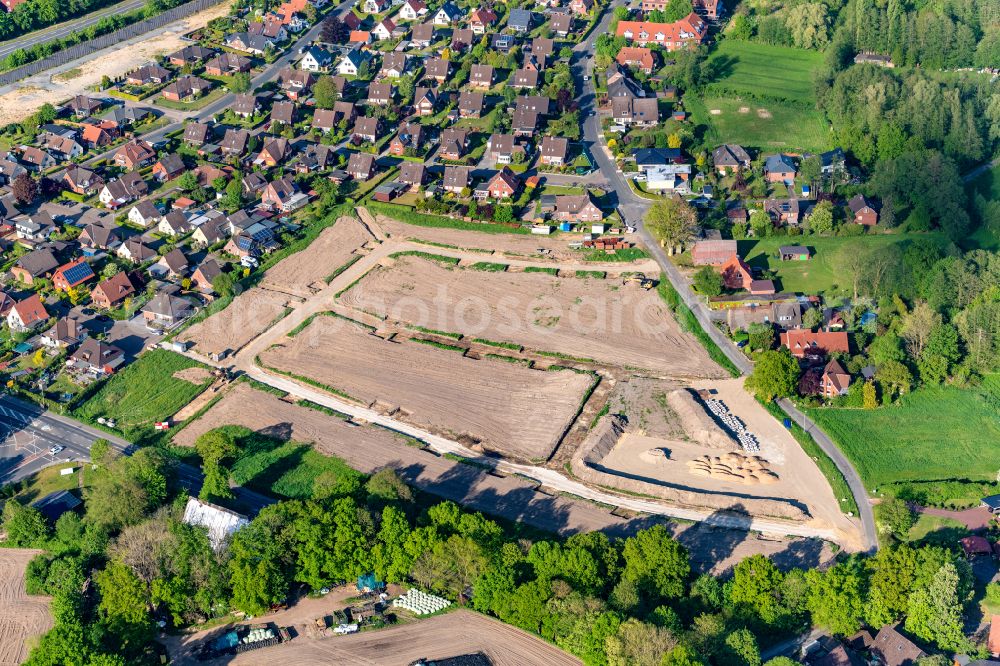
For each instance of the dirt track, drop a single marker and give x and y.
(250, 314)
(457, 633)
(506, 407)
(21, 616)
(332, 249)
(583, 317)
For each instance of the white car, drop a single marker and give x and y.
(586, 77)
(249, 262)
(56, 449)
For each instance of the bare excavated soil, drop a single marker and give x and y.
(505, 407)
(21, 616)
(593, 318)
(305, 272)
(250, 314)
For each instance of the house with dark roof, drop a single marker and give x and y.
(525, 78)
(413, 174)
(456, 178)
(204, 275)
(367, 129)
(577, 208)
(835, 380)
(186, 88)
(863, 210)
(227, 64)
(554, 150)
(99, 236)
(520, 20)
(470, 104)
(82, 180)
(235, 142)
(65, 333)
(481, 76)
(136, 251)
(779, 168)
(197, 134)
(96, 357)
(72, 275)
(168, 167)
(165, 310)
(892, 648)
(361, 166)
(453, 144)
(36, 264)
(729, 157)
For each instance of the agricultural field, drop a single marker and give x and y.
(590, 318)
(21, 616)
(250, 314)
(901, 443)
(306, 272)
(762, 97)
(821, 274)
(152, 389)
(497, 404)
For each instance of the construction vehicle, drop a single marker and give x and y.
(640, 279)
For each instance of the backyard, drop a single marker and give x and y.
(903, 443)
(152, 389)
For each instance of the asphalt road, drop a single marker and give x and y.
(60, 30)
(633, 208)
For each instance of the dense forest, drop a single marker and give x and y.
(635, 601)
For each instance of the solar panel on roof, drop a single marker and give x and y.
(78, 273)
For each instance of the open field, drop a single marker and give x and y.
(21, 616)
(588, 318)
(821, 274)
(145, 392)
(305, 272)
(250, 314)
(760, 69)
(901, 443)
(502, 406)
(453, 634)
(30, 94)
(767, 126)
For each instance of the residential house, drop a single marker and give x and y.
(273, 153)
(134, 155)
(168, 167)
(425, 101)
(27, 315)
(144, 214)
(503, 185)
(295, 82)
(409, 138)
(316, 59)
(863, 210)
(367, 129)
(82, 180)
(245, 105)
(130, 115)
(413, 10)
(453, 144)
(284, 195)
(709, 9)
(283, 113)
(577, 208)
(383, 30)
(248, 43)
(352, 62)
(10, 169)
(438, 69)
(669, 178)
(481, 20)
(35, 159)
(686, 33)
(779, 168)
(447, 14)
(171, 265)
(174, 224)
(72, 275)
(325, 119)
(894, 649)
(787, 211)
(535, 103)
(394, 65)
(561, 23)
(186, 88)
(520, 20)
(204, 275)
(190, 55)
(101, 134)
(637, 57)
(66, 332)
(581, 7)
(123, 190)
(642, 112)
(462, 38)
(83, 106)
(525, 78)
(102, 236)
(470, 104)
(832, 162)
(196, 134)
(650, 158)
(413, 174)
(736, 274)
(729, 158)
(234, 143)
(375, 6)
(422, 36)
(501, 42)
(62, 148)
(253, 184)
(136, 251)
(481, 76)
(835, 380)
(357, 39)
(227, 64)
(524, 121)
(554, 150)
(541, 48)
(36, 264)
(165, 310)
(784, 312)
(211, 231)
(96, 357)
(148, 74)
(36, 227)
(456, 178)
(361, 166)
(804, 343)
(501, 148)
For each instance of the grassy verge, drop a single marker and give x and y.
(333, 276)
(502, 345)
(623, 256)
(434, 331)
(409, 216)
(489, 267)
(510, 359)
(689, 324)
(541, 269)
(440, 258)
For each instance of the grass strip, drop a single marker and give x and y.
(566, 357)
(409, 216)
(509, 359)
(600, 275)
(624, 256)
(440, 258)
(541, 269)
(454, 336)
(489, 267)
(333, 276)
(494, 343)
(351, 286)
(439, 345)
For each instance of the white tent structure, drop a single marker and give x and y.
(219, 522)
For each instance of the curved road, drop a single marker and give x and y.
(633, 208)
(60, 30)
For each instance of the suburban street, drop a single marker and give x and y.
(64, 29)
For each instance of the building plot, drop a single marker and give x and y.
(501, 406)
(21, 616)
(600, 319)
(250, 314)
(306, 272)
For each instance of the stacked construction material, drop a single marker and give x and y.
(746, 438)
(421, 603)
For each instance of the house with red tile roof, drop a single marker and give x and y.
(803, 343)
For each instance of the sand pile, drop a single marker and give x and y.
(696, 422)
(655, 456)
(733, 467)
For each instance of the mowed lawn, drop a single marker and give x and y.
(762, 97)
(935, 433)
(144, 393)
(760, 69)
(821, 273)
